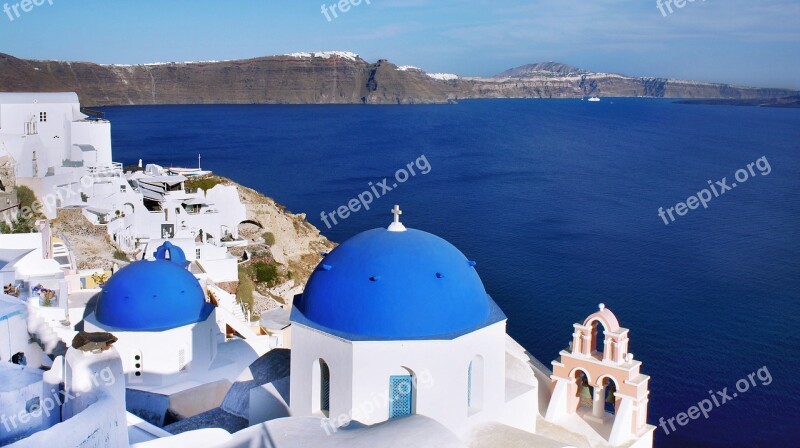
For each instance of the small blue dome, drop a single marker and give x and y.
(153, 295)
(176, 254)
(408, 284)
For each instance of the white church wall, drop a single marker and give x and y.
(309, 346)
(163, 354)
(441, 370)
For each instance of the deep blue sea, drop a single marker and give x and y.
(558, 202)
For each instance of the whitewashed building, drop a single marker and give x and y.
(51, 143)
(403, 311)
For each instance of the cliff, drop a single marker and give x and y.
(337, 78)
(333, 78)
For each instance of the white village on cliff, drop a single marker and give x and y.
(389, 339)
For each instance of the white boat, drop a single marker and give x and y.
(189, 172)
(595, 99)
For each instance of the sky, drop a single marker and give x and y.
(743, 42)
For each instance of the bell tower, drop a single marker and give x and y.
(601, 372)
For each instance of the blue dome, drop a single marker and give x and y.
(153, 295)
(395, 285)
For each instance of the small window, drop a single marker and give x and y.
(197, 254)
(43, 116)
(33, 405)
(325, 389)
(475, 381)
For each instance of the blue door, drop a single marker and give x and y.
(401, 389)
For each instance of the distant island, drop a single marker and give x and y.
(337, 78)
(784, 102)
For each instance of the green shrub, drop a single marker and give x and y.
(202, 183)
(121, 256)
(266, 273)
(26, 197)
(269, 238)
(20, 224)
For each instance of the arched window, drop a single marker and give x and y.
(325, 389)
(321, 387)
(475, 382)
(584, 392)
(609, 397)
(598, 337)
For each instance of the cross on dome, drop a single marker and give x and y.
(397, 226)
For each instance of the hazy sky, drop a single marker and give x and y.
(751, 42)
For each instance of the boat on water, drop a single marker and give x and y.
(189, 172)
(595, 99)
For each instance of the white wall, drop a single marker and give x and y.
(360, 372)
(441, 370)
(222, 270)
(160, 350)
(308, 347)
(55, 133)
(96, 133)
(20, 384)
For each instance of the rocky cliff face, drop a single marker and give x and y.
(332, 78)
(271, 80)
(546, 85)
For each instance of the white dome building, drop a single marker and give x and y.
(396, 322)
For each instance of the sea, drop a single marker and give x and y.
(558, 202)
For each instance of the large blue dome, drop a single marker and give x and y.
(384, 284)
(152, 296)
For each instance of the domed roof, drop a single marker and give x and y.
(395, 284)
(153, 295)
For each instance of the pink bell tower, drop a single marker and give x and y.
(606, 372)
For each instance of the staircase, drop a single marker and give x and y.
(227, 301)
(39, 328)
